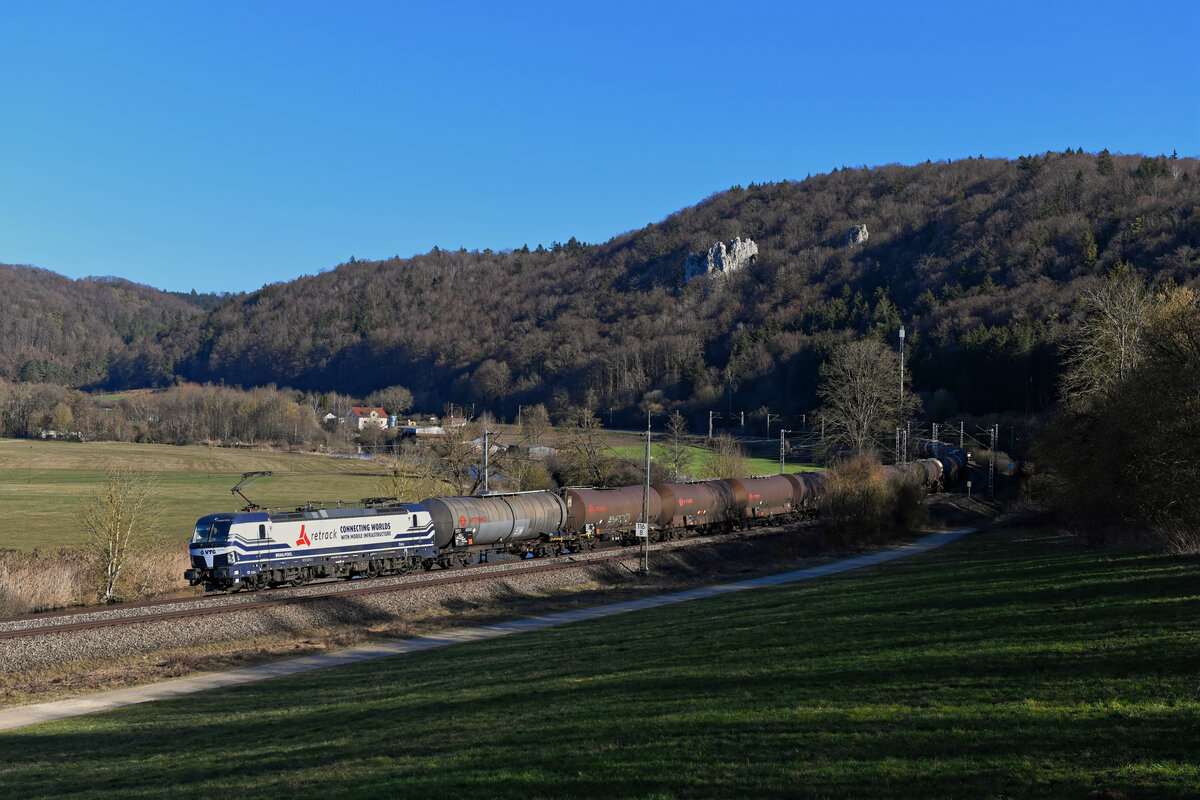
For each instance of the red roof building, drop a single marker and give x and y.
(362, 416)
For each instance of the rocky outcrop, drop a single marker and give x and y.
(720, 260)
(857, 235)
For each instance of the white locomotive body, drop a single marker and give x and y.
(254, 549)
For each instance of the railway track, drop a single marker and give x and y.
(208, 605)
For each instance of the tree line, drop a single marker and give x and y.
(1118, 459)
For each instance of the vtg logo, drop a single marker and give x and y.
(303, 538)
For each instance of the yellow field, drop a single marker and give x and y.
(41, 484)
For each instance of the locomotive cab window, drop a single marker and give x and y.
(262, 531)
(211, 532)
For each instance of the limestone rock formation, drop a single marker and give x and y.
(720, 260)
(857, 235)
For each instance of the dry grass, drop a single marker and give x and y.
(45, 580)
(1178, 539)
(154, 572)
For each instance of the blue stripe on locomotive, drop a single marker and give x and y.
(278, 555)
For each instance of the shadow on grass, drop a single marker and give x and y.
(1031, 670)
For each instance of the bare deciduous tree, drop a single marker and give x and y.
(860, 394)
(535, 422)
(117, 518)
(1109, 344)
(678, 455)
(456, 460)
(583, 444)
(411, 475)
(393, 400)
(728, 459)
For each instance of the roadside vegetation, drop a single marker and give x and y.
(1119, 460)
(1013, 664)
(860, 507)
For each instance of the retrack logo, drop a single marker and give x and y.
(303, 538)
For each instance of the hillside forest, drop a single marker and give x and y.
(982, 260)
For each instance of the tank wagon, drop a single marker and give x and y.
(608, 514)
(951, 459)
(520, 523)
(767, 496)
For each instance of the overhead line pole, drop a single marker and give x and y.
(485, 460)
(646, 504)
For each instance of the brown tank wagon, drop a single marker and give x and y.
(608, 513)
(764, 496)
(694, 505)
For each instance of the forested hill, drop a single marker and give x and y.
(981, 259)
(80, 333)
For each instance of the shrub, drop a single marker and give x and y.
(859, 506)
(909, 512)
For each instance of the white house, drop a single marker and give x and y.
(362, 416)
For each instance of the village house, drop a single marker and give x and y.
(362, 416)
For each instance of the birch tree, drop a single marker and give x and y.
(678, 454)
(118, 517)
(1109, 345)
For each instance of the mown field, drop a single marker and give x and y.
(700, 456)
(1009, 665)
(41, 483)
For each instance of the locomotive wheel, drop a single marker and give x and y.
(373, 569)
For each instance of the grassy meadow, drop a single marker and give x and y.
(758, 466)
(1008, 665)
(41, 483)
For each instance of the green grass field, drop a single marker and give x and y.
(1010, 665)
(41, 483)
(700, 456)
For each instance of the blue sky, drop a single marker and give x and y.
(221, 146)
